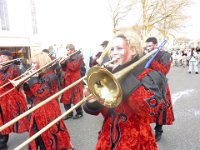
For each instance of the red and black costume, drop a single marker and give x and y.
(72, 74)
(57, 137)
(165, 116)
(12, 104)
(128, 125)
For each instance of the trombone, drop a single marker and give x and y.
(25, 73)
(44, 102)
(69, 56)
(7, 63)
(104, 86)
(19, 82)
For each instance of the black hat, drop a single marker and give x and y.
(104, 43)
(6, 53)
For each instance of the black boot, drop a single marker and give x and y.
(70, 115)
(158, 132)
(3, 141)
(158, 135)
(79, 113)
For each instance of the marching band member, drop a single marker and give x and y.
(93, 59)
(40, 87)
(128, 125)
(72, 69)
(161, 63)
(12, 104)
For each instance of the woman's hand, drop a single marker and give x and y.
(86, 92)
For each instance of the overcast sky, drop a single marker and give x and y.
(87, 22)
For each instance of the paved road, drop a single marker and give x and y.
(183, 135)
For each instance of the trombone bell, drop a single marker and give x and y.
(104, 86)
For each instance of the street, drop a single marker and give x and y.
(184, 134)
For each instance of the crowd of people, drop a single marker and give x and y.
(189, 57)
(145, 96)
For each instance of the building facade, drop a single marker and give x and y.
(18, 27)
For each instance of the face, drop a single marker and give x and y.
(150, 46)
(35, 64)
(69, 52)
(4, 58)
(121, 51)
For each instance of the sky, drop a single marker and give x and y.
(87, 22)
(193, 24)
(76, 21)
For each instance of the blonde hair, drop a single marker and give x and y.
(133, 40)
(41, 58)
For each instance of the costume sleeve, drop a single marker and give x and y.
(162, 63)
(93, 108)
(39, 88)
(150, 95)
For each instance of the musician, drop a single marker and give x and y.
(72, 68)
(12, 104)
(40, 87)
(57, 68)
(93, 59)
(161, 63)
(128, 125)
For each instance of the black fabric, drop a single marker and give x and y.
(164, 58)
(128, 85)
(33, 80)
(130, 82)
(117, 127)
(152, 101)
(158, 127)
(67, 107)
(5, 72)
(39, 142)
(157, 83)
(3, 140)
(93, 108)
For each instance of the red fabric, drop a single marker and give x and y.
(169, 117)
(155, 65)
(12, 104)
(57, 137)
(136, 132)
(72, 74)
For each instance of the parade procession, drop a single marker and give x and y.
(92, 84)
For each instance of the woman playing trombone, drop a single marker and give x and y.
(40, 87)
(127, 126)
(11, 104)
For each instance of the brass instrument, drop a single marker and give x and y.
(102, 84)
(69, 56)
(7, 63)
(17, 83)
(23, 74)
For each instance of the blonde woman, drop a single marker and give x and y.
(128, 125)
(40, 87)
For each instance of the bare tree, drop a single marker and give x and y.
(162, 15)
(119, 9)
(175, 17)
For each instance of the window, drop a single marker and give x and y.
(4, 23)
